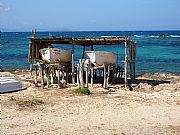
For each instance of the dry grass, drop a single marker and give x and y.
(27, 103)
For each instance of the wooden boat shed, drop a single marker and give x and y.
(36, 44)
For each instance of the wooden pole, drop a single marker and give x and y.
(73, 70)
(126, 67)
(58, 75)
(30, 58)
(105, 84)
(87, 62)
(35, 76)
(47, 75)
(31, 51)
(78, 75)
(81, 69)
(92, 76)
(87, 70)
(42, 73)
(67, 74)
(51, 76)
(62, 73)
(108, 73)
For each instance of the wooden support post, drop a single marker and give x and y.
(67, 74)
(47, 76)
(31, 51)
(87, 76)
(78, 75)
(108, 74)
(35, 76)
(105, 84)
(92, 76)
(87, 64)
(51, 76)
(30, 58)
(62, 73)
(31, 68)
(73, 70)
(42, 73)
(81, 70)
(58, 75)
(126, 67)
(134, 62)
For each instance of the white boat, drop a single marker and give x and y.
(53, 55)
(98, 58)
(10, 84)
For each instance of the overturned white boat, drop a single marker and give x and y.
(54, 55)
(10, 84)
(98, 58)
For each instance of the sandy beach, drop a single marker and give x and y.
(151, 108)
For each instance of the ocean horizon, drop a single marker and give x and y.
(157, 51)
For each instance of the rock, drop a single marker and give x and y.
(144, 87)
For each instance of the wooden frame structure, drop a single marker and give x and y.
(36, 44)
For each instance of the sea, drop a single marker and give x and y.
(157, 51)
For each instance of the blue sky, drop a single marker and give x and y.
(76, 15)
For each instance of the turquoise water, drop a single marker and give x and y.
(154, 53)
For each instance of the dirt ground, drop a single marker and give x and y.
(152, 108)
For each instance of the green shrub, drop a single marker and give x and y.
(85, 91)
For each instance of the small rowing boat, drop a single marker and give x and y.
(10, 84)
(98, 58)
(54, 55)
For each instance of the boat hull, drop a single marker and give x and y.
(54, 55)
(99, 58)
(10, 84)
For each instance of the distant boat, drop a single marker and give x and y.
(54, 55)
(98, 58)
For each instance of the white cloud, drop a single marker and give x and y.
(4, 8)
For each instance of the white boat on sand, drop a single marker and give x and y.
(10, 84)
(98, 58)
(54, 55)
